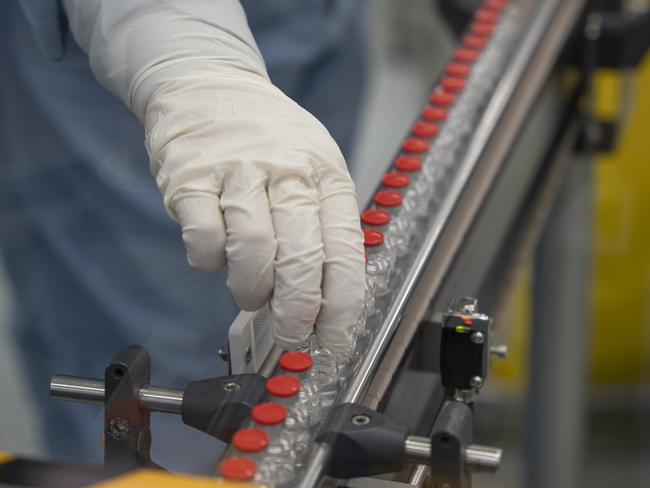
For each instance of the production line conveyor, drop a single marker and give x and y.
(433, 344)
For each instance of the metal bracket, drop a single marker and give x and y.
(127, 438)
(216, 406)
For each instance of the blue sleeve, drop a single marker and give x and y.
(47, 23)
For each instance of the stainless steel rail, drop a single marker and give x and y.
(87, 390)
(548, 26)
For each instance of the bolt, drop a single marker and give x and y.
(248, 355)
(478, 338)
(361, 419)
(224, 352)
(119, 427)
(231, 386)
(499, 351)
(476, 382)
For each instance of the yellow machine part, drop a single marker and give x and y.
(147, 478)
(620, 342)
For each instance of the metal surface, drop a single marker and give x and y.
(77, 389)
(87, 390)
(504, 115)
(560, 337)
(417, 450)
(419, 475)
(482, 459)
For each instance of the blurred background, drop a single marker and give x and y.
(407, 44)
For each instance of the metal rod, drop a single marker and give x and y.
(482, 459)
(419, 475)
(88, 390)
(417, 450)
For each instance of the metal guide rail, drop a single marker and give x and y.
(539, 31)
(476, 109)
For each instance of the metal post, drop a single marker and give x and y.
(560, 337)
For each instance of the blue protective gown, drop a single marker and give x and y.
(95, 263)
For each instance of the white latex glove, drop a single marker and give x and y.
(251, 177)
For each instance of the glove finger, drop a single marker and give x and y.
(299, 262)
(250, 239)
(204, 234)
(343, 284)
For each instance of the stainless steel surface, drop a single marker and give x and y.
(162, 399)
(316, 466)
(88, 390)
(417, 450)
(482, 459)
(375, 483)
(76, 389)
(419, 475)
(503, 117)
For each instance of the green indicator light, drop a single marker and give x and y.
(462, 329)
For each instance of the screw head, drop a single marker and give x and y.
(231, 386)
(361, 419)
(224, 352)
(119, 427)
(478, 337)
(476, 381)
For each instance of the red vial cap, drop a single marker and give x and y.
(415, 146)
(495, 5)
(296, 362)
(465, 55)
(474, 42)
(375, 218)
(482, 29)
(250, 440)
(395, 180)
(388, 198)
(453, 85)
(487, 16)
(458, 70)
(408, 164)
(238, 469)
(372, 238)
(424, 129)
(283, 386)
(269, 413)
(442, 98)
(434, 114)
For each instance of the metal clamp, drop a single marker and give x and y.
(127, 438)
(216, 406)
(366, 443)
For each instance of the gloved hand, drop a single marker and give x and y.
(251, 177)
